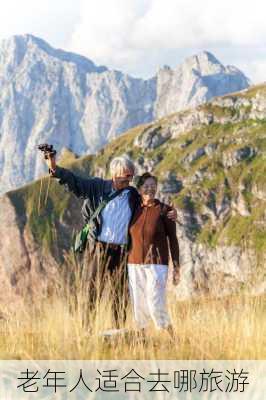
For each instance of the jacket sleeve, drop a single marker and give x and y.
(170, 227)
(81, 187)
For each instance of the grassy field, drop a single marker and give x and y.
(52, 327)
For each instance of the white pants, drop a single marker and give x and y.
(147, 286)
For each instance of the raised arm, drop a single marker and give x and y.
(81, 187)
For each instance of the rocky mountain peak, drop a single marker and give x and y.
(12, 52)
(197, 80)
(17, 47)
(50, 95)
(203, 63)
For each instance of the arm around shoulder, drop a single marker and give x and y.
(170, 227)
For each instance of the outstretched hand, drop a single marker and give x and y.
(50, 161)
(172, 214)
(49, 155)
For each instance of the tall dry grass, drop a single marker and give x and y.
(57, 326)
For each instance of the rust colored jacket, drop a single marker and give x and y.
(150, 232)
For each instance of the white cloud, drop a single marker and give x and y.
(51, 20)
(138, 36)
(105, 31)
(130, 34)
(179, 23)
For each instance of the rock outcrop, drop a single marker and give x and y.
(26, 269)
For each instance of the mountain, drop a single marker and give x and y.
(49, 95)
(210, 162)
(197, 80)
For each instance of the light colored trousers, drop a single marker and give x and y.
(147, 286)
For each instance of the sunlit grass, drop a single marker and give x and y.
(59, 327)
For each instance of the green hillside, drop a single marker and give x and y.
(229, 160)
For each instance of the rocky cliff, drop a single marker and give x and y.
(48, 95)
(210, 162)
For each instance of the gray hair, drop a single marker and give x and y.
(119, 164)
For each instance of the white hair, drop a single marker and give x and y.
(119, 164)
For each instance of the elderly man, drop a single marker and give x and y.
(106, 253)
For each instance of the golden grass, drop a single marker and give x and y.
(54, 327)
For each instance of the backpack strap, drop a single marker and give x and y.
(101, 206)
(82, 236)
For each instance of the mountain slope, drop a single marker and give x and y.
(210, 161)
(51, 95)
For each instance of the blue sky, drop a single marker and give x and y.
(139, 36)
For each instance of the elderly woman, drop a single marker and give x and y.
(152, 234)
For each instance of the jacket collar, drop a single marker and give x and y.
(153, 204)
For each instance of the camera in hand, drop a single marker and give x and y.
(47, 149)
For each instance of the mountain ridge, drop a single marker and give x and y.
(210, 162)
(70, 101)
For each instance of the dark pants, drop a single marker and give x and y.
(105, 263)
